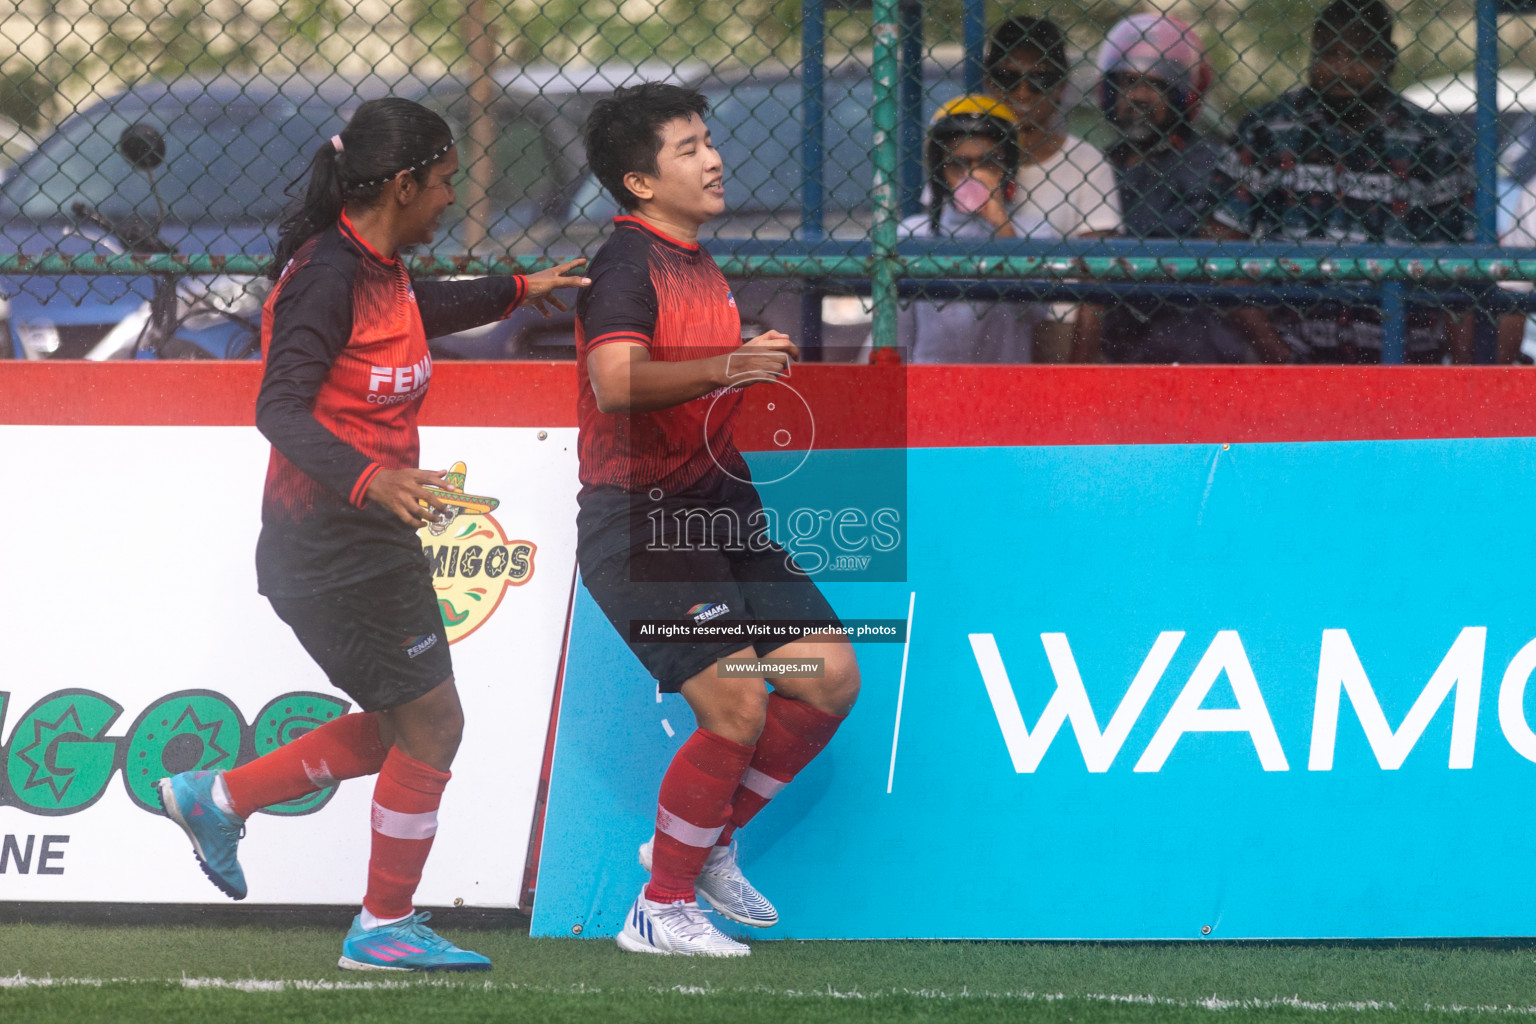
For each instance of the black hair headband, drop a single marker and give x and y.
(427, 161)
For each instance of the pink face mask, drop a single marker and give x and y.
(971, 195)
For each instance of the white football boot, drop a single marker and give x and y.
(675, 929)
(726, 889)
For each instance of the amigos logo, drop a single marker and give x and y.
(473, 560)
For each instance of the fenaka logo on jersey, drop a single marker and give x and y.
(417, 645)
(702, 613)
(473, 560)
(389, 385)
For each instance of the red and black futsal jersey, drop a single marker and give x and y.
(344, 334)
(669, 296)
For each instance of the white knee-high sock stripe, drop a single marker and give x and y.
(320, 774)
(397, 825)
(765, 786)
(684, 832)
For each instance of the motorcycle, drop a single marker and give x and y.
(186, 317)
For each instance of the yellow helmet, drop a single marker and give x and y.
(973, 105)
(968, 117)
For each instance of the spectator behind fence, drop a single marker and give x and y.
(1062, 180)
(1347, 159)
(1521, 234)
(1153, 77)
(972, 155)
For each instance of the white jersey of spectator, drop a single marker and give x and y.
(1522, 233)
(1074, 191)
(970, 331)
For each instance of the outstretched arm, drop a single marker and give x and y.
(451, 306)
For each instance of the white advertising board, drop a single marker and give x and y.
(136, 645)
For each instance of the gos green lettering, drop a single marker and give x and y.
(286, 719)
(194, 730)
(58, 760)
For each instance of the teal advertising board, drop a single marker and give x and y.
(1150, 692)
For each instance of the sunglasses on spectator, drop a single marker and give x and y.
(971, 163)
(1125, 81)
(1039, 82)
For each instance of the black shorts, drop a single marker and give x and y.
(636, 583)
(381, 641)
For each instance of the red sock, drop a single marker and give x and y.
(792, 736)
(695, 801)
(405, 801)
(343, 748)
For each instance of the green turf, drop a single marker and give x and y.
(146, 970)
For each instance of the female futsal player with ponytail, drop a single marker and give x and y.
(344, 333)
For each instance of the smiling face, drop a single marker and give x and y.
(423, 205)
(1023, 80)
(688, 187)
(1142, 110)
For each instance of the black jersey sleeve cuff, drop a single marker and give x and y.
(359, 495)
(522, 293)
(632, 337)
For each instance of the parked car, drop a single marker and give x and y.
(16, 142)
(231, 145)
(234, 143)
(755, 116)
(539, 161)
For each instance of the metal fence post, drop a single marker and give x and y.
(480, 35)
(1486, 151)
(911, 93)
(813, 74)
(1486, 159)
(1394, 323)
(975, 43)
(813, 161)
(886, 214)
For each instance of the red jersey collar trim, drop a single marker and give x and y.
(647, 226)
(346, 228)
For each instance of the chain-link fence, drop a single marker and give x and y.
(1172, 181)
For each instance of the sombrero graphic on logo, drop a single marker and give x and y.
(473, 561)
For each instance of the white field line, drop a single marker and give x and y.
(234, 984)
(901, 692)
(1213, 1003)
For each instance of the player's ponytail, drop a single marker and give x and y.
(383, 138)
